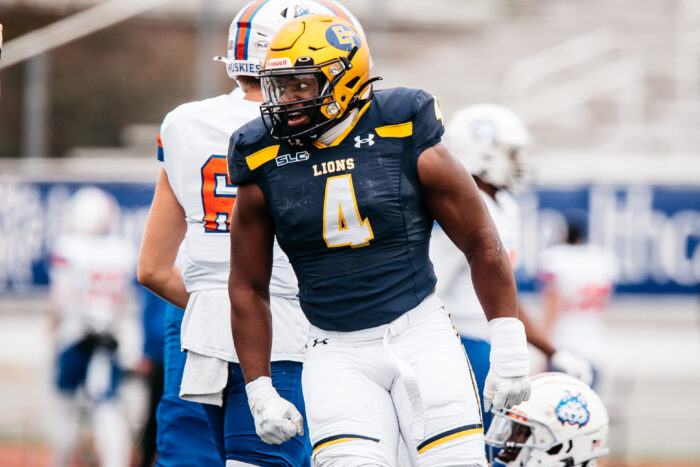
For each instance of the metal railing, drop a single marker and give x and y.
(73, 27)
(568, 75)
(688, 50)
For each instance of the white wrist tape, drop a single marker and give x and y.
(509, 355)
(260, 390)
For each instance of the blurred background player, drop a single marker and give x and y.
(490, 141)
(150, 369)
(193, 201)
(92, 270)
(578, 280)
(564, 423)
(0, 57)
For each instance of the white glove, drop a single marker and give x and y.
(572, 364)
(508, 382)
(276, 419)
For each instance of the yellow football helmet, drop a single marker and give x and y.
(313, 76)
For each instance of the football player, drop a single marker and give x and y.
(0, 55)
(490, 140)
(193, 201)
(578, 279)
(349, 181)
(91, 273)
(563, 423)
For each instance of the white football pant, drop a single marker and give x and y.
(410, 377)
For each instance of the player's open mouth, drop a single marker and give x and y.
(298, 118)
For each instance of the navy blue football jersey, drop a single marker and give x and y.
(349, 215)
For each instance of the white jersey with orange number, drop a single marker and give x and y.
(583, 278)
(454, 284)
(91, 277)
(193, 144)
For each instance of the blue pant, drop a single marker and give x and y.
(184, 438)
(234, 428)
(74, 361)
(478, 352)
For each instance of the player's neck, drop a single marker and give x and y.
(253, 94)
(250, 92)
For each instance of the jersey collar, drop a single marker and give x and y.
(347, 130)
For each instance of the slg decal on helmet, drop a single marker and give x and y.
(573, 410)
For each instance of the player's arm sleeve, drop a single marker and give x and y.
(428, 126)
(161, 152)
(169, 138)
(238, 171)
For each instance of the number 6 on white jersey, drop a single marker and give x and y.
(342, 224)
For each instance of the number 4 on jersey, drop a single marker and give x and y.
(218, 195)
(342, 224)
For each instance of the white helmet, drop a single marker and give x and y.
(489, 139)
(92, 211)
(564, 423)
(254, 26)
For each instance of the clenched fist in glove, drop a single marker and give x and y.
(276, 419)
(508, 382)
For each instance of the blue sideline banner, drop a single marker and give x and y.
(653, 230)
(31, 217)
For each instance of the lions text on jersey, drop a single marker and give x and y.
(349, 214)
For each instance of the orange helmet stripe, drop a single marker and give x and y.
(336, 9)
(244, 29)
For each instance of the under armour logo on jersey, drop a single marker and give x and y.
(369, 140)
(320, 341)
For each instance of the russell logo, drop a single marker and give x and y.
(573, 410)
(369, 140)
(283, 62)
